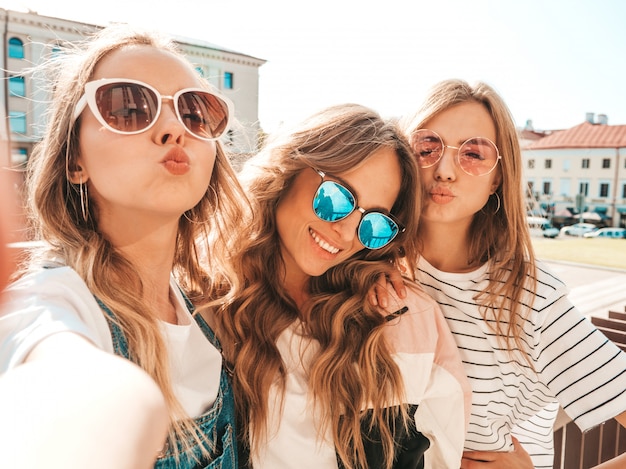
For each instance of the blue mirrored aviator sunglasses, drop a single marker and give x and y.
(334, 201)
(129, 107)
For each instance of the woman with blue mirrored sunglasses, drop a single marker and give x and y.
(324, 379)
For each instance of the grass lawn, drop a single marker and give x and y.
(595, 251)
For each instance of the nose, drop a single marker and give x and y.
(346, 228)
(169, 129)
(445, 169)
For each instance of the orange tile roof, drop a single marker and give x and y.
(532, 134)
(585, 135)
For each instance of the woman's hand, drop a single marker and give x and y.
(516, 459)
(379, 294)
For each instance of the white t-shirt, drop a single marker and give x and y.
(429, 361)
(575, 365)
(57, 300)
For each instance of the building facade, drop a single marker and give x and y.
(580, 170)
(29, 38)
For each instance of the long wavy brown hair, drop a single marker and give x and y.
(498, 234)
(56, 217)
(353, 366)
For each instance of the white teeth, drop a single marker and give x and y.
(323, 244)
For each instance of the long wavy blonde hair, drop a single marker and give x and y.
(353, 366)
(55, 215)
(499, 232)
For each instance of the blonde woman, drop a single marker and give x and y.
(323, 379)
(129, 177)
(525, 347)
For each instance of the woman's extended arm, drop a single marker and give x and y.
(73, 405)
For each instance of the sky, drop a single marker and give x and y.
(553, 61)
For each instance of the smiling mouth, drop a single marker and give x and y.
(323, 244)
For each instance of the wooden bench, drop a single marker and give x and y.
(614, 329)
(574, 449)
(617, 315)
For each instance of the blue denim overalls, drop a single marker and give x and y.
(217, 424)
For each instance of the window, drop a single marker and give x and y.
(55, 49)
(585, 163)
(583, 188)
(565, 187)
(606, 163)
(228, 80)
(17, 122)
(604, 189)
(16, 48)
(624, 191)
(531, 164)
(19, 156)
(17, 87)
(546, 187)
(548, 164)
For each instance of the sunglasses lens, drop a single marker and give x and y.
(478, 156)
(428, 147)
(204, 115)
(333, 202)
(376, 230)
(127, 107)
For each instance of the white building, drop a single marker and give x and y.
(28, 37)
(588, 159)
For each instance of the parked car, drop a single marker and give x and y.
(578, 229)
(607, 233)
(540, 226)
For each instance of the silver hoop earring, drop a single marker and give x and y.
(84, 198)
(498, 199)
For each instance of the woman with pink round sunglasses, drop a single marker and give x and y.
(525, 347)
(125, 190)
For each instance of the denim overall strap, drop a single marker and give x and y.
(120, 344)
(216, 425)
(204, 327)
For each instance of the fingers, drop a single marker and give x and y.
(516, 459)
(379, 294)
(397, 282)
(477, 460)
(379, 286)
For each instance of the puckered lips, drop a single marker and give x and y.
(441, 195)
(176, 161)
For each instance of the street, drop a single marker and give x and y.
(594, 290)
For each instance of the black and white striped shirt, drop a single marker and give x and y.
(574, 364)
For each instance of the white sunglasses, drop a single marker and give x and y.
(129, 107)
